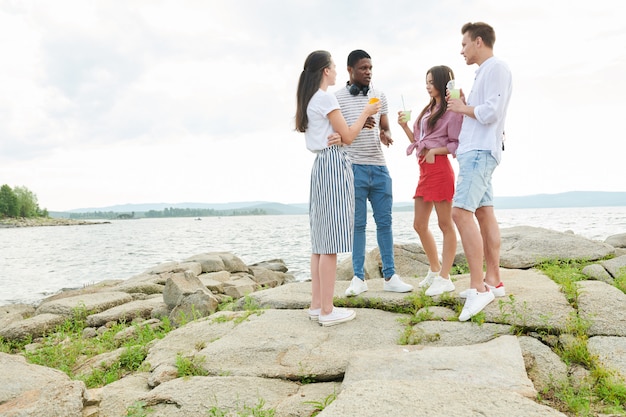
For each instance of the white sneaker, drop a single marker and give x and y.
(474, 303)
(314, 314)
(439, 286)
(428, 281)
(498, 291)
(357, 286)
(395, 284)
(337, 316)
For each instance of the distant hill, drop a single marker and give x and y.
(568, 199)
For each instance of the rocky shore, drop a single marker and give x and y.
(379, 364)
(44, 221)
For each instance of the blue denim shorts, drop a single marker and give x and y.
(473, 186)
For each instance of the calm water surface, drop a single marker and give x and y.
(38, 261)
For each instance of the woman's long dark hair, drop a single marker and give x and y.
(308, 84)
(441, 75)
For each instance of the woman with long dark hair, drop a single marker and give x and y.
(435, 135)
(331, 203)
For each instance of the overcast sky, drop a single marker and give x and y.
(128, 101)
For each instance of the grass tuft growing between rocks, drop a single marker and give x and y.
(620, 280)
(67, 347)
(242, 410)
(319, 406)
(600, 390)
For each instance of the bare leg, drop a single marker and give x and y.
(316, 298)
(444, 217)
(327, 273)
(472, 245)
(421, 216)
(490, 232)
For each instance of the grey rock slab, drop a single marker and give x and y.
(532, 300)
(301, 348)
(303, 404)
(92, 303)
(610, 351)
(604, 306)
(33, 390)
(191, 338)
(297, 295)
(118, 396)
(195, 396)
(615, 266)
(617, 241)
(455, 333)
(497, 363)
(525, 246)
(597, 272)
(13, 312)
(35, 326)
(219, 261)
(176, 267)
(126, 312)
(544, 367)
(432, 398)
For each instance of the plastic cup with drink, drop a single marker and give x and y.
(454, 92)
(405, 115)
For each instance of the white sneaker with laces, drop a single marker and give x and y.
(498, 290)
(428, 281)
(395, 284)
(357, 286)
(474, 303)
(439, 286)
(337, 316)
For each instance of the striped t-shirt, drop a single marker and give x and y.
(366, 148)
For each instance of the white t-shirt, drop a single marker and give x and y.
(319, 128)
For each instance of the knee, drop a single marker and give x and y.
(420, 228)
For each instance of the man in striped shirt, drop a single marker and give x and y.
(371, 177)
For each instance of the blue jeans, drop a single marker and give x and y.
(373, 183)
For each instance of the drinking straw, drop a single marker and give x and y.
(403, 106)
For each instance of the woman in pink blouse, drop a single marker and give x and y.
(435, 135)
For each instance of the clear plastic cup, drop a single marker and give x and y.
(405, 116)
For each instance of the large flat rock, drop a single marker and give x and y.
(497, 363)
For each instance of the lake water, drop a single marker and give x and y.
(39, 261)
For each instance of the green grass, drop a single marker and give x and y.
(319, 406)
(602, 392)
(65, 348)
(242, 410)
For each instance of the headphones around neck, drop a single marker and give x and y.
(355, 89)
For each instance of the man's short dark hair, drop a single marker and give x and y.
(356, 55)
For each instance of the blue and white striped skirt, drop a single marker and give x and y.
(331, 202)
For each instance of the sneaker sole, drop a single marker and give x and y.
(335, 322)
(353, 294)
(438, 293)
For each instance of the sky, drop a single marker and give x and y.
(157, 101)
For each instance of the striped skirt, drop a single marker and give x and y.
(331, 202)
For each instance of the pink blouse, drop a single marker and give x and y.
(445, 134)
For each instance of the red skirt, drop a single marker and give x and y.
(436, 181)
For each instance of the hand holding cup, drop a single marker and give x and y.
(404, 116)
(373, 106)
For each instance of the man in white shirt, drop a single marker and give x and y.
(478, 154)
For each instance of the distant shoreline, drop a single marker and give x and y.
(42, 221)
